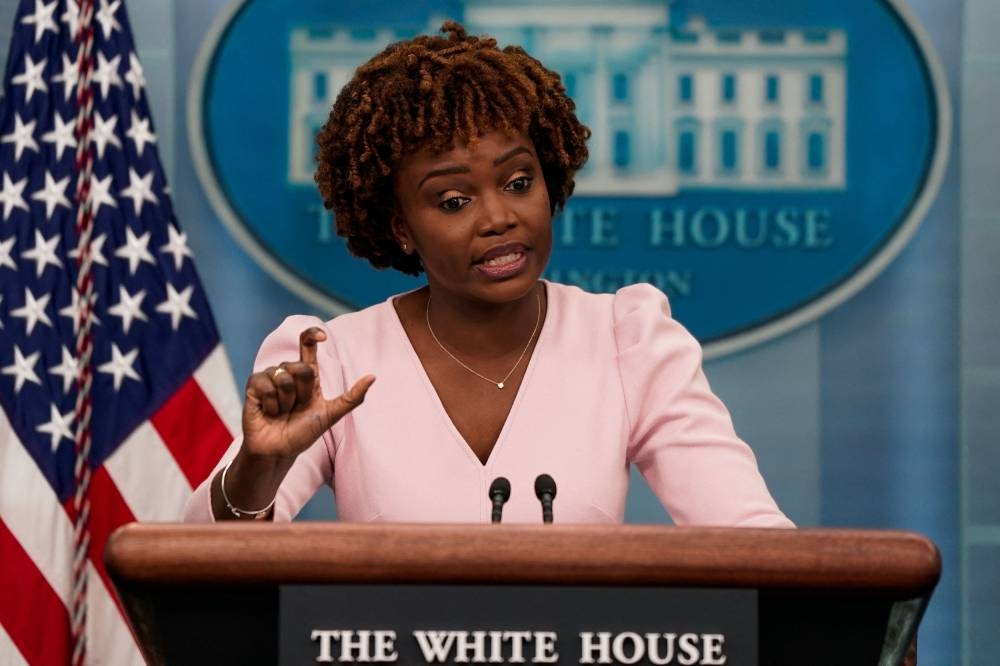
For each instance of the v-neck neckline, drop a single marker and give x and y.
(436, 398)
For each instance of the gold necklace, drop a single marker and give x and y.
(499, 384)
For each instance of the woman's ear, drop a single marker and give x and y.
(401, 232)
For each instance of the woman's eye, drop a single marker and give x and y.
(452, 204)
(520, 184)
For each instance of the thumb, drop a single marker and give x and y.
(344, 403)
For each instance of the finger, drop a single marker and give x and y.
(308, 340)
(304, 379)
(350, 399)
(284, 384)
(262, 393)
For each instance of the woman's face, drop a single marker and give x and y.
(480, 220)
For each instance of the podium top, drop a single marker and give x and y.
(894, 562)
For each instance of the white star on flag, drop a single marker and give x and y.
(120, 366)
(69, 369)
(22, 137)
(96, 250)
(23, 369)
(135, 250)
(31, 77)
(69, 74)
(53, 194)
(140, 133)
(72, 311)
(177, 247)
(104, 133)
(135, 75)
(129, 307)
(33, 310)
(100, 194)
(106, 17)
(177, 305)
(58, 425)
(106, 74)
(42, 19)
(71, 17)
(44, 253)
(139, 190)
(5, 258)
(61, 135)
(10, 195)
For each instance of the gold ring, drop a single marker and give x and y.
(278, 372)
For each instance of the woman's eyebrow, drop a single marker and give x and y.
(448, 171)
(509, 154)
(445, 171)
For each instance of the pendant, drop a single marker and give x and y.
(499, 385)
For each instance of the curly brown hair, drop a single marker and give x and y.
(435, 92)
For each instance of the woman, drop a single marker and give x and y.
(449, 156)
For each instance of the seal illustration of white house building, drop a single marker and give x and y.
(672, 107)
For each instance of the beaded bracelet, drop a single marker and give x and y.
(239, 513)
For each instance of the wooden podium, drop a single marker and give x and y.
(208, 594)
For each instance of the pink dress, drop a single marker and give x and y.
(613, 381)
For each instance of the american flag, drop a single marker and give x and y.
(108, 350)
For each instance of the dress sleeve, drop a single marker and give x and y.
(681, 435)
(313, 467)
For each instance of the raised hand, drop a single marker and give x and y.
(285, 411)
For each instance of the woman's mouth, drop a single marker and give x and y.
(503, 259)
(503, 266)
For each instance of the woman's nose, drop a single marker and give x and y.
(497, 216)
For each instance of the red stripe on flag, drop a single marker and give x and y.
(193, 431)
(108, 512)
(31, 613)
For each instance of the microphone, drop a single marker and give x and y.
(545, 491)
(499, 494)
